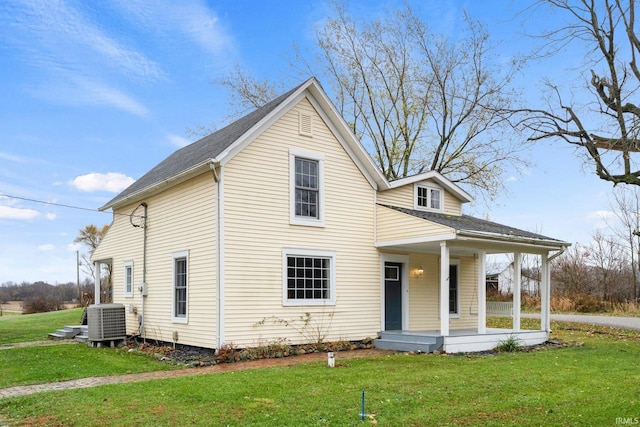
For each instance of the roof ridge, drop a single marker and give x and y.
(198, 152)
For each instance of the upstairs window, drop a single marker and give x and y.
(307, 192)
(428, 197)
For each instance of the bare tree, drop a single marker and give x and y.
(571, 273)
(417, 100)
(91, 236)
(603, 119)
(626, 206)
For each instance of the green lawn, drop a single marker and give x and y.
(36, 327)
(588, 385)
(37, 365)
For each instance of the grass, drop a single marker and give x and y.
(35, 327)
(37, 365)
(591, 384)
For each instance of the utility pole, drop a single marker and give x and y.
(637, 275)
(78, 277)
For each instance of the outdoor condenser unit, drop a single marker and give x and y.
(106, 322)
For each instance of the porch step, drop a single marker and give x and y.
(67, 333)
(83, 336)
(403, 341)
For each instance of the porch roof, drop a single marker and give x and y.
(476, 232)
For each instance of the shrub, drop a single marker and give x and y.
(509, 345)
(38, 304)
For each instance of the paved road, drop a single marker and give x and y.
(618, 322)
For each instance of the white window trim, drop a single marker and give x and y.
(128, 294)
(174, 318)
(293, 219)
(429, 186)
(287, 252)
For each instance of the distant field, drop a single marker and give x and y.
(15, 307)
(12, 306)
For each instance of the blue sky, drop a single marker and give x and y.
(93, 94)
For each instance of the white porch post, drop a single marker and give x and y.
(444, 289)
(545, 294)
(96, 290)
(517, 276)
(482, 293)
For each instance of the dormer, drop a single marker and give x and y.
(429, 191)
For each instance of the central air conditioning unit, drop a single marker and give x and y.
(106, 322)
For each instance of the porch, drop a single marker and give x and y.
(463, 340)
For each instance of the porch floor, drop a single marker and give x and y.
(458, 340)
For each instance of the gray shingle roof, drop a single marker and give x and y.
(469, 223)
(200, 151)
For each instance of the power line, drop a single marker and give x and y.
(26, 199)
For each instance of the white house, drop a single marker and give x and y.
(283, 217)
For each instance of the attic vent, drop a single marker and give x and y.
(305, 124)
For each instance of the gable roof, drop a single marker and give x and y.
(458, 192)
(199, 152)
(476, 227)
(222, 145)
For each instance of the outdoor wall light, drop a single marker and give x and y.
(419, 271)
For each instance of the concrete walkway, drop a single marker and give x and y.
(224, 367)
(617, 322)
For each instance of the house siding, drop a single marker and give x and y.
(403, 197)
(392, 225)
(257, 229)
(424, 294)
(183, 218)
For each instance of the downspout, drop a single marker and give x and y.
(219, 305)
(557, 254)
(143, 291)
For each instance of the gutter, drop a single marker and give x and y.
(461, 234)
(153, 188)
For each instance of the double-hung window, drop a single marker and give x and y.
(128, 279)
(180, 283)
(309, 277)
(307, 192)
(428, 197)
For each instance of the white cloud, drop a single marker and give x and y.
(113, 182)
(190, 19)
(511, 179)
(601, 215)
(50, 216)
(46, 247)
(178, 140)
(79, 91)
(8, 212)
(70, 41)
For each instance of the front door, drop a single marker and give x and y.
(392, 296)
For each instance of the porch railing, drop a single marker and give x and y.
(500, 308)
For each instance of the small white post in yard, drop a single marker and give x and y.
(331, 360)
